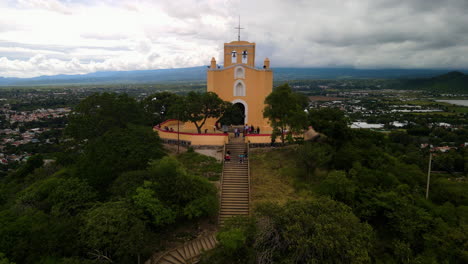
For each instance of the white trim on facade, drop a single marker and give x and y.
(239, 73)
(246, 109)
(241, 91)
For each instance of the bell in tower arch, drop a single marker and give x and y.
(233, 57)
(244, 56)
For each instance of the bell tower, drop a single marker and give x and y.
(239, 52)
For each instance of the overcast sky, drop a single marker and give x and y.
(47, 37)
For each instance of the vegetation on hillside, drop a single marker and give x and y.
(111, 197)
(362, 200)
(284, 109)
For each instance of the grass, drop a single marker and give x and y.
(201, 165)
(458, 109)
(272, 172)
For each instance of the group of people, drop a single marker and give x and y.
(242, 157)
(166, 128)
(247, 130)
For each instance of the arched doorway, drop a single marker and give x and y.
(238, 115)
(235, 115)
(244, 110)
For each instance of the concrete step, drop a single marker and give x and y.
(172, 259)
(235, 183)
(238, 183)
(225, 213)
(177, 256)
(235, 180)
(234, 186)
(235, 200)
(235, 208)
(235, 190)
(235, 194)
(181, 252)
(243, 187)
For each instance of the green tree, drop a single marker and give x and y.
(192, 196)
(331, 122)
(285, 110)
(4, 260)
(339, 187)
(314, 155)
(34, 162)
(146, 199)
(28, 234)
(126, 184)
(315, 231)
(114, 231)
(236, 239)
(157, 106)
(60, 197)
(198, 107)
(118, 150)
(99, 113)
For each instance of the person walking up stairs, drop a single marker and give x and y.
(235, 185)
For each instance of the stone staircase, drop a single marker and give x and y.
(235, 185)
(187, 253)
(235, 198)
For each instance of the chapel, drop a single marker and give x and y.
(240, 82)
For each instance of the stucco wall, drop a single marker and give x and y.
(194, 139)
(258, 83)
(258, 138)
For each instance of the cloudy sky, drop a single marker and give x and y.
(47, 37)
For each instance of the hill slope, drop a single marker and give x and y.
(452, 82)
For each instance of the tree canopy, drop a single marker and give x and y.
(157, 106)
(98, 113)
(198, 107)
(112, 196)
(285, 110)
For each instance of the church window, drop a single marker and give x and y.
(239, 88)
(239, 73)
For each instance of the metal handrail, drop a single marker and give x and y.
(221, 181)
(248, 173)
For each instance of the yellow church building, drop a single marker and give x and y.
(240, 82)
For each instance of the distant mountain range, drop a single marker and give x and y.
(452, 82)
(199, 74)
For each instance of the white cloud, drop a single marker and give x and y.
(51, 5)
(39, 37)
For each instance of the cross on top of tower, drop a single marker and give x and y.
(239, 29)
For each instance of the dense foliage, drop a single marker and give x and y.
(109, 197)
(364, 202)
(198, 107)
(284, 109)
